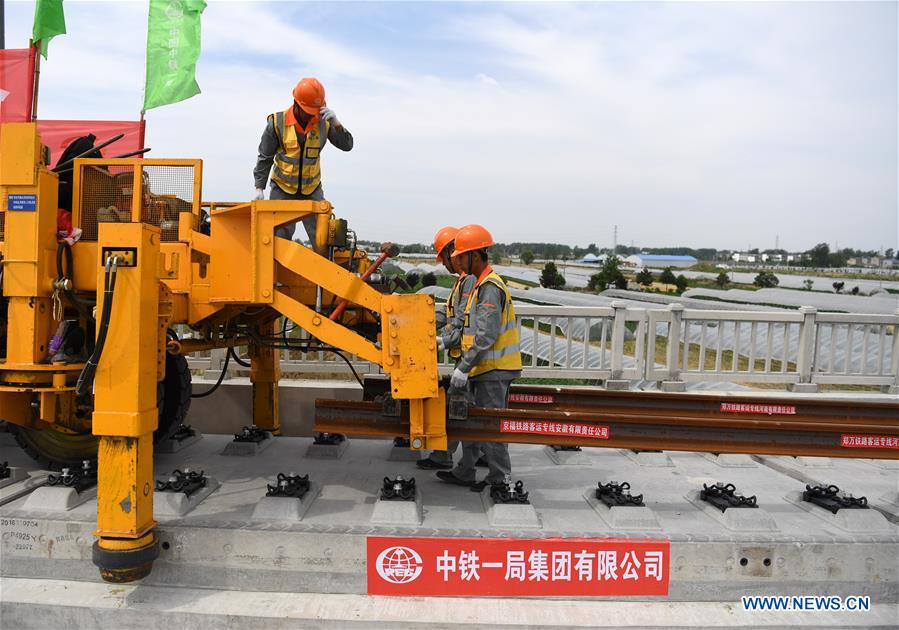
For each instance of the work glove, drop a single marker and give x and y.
(459, 380)
(328, 115)
(260, 195)
(440, 345)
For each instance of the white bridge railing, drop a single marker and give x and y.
(675, 346)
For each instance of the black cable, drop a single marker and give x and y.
(236, 358)
(350, 365)
(218, 382)
(86, 378)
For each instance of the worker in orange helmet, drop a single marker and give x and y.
(291, 148)
(491, 355)
(449, 329)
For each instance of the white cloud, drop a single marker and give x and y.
(685, 124)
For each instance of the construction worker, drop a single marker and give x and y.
(292, 142)
(491, 357)
(449, 326)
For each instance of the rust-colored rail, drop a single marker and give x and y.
(712, 423)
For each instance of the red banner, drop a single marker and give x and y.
(850, 440)
(57, 134)
(490, 567)
(550, 427)
(531, 399)
(771, 410)
(16, 84)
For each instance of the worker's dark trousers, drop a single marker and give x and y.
(487, 394)
(287, 231)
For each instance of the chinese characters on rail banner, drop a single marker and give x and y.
(771, 410)
(869, 441)
(551, 427)
(488, 567)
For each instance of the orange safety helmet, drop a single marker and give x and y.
(443, 238)
(309, 95)
(472, 238)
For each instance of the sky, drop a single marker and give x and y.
(728, 125)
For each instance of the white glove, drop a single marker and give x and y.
(440, 345)
(328, 115)
(459, 379)
(260, 195)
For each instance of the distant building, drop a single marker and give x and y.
(659, 261)
(591, 259)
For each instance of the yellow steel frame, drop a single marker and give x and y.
(196, 279)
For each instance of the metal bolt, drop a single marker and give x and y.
(416, 443)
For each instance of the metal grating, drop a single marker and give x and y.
(106, 196)
(168, 191)
(2, 225)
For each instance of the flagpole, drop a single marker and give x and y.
(37, 77)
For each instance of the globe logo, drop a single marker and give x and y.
(399, 565)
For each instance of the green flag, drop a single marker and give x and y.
(49, 22)
(173, 46)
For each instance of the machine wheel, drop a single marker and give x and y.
(56, 447)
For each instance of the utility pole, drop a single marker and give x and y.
(777, 241)
(614, 239)
(2, 24)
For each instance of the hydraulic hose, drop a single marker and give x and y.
(86, 378)
(218, 382)
(81, 305)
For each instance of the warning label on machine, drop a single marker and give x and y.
(771, 410)
(489, 567)
(577, 429)
(869, 441)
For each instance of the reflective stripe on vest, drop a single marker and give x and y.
(291, 163)
(505, 354)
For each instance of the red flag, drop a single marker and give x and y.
(57, 134)
(16, 84)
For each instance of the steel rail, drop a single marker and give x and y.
(655, 421)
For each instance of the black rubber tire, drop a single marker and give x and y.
(56, 449)
(176, 396)
(53, 448)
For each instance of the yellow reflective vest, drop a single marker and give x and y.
(505, 354)
(455, 353)
(295, 169)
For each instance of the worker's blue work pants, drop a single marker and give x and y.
(287, 231)
(494, 394)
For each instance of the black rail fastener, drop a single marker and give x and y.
(565, 449)
(830, 499)
(291, 485)
(187, 481)
(329, 439)
(724, 496)
(79, 479)
(402, 442)
(4, 470)
(614, 494)
(398, 489)
(504, 492)
(183, 432)
(251, 433)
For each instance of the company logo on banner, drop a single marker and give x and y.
(398, 565)
(487, 567)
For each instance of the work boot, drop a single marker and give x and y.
(479, 486)
(429, 464)
(449, 477)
